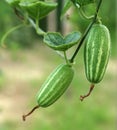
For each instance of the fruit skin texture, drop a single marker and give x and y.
(96, 52)
(55, 85)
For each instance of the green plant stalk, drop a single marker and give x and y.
(36, 26)
(8, 32)
(86, 32)
(66, 59)
(38, 30)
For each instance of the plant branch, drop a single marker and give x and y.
(36, 26)
(86, 32)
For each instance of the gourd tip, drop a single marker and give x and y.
(90, 90)
(24, 116)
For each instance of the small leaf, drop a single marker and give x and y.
(36, 8)
(72, 38)
(60, 43)
(54, 40)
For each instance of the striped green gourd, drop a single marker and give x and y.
(96, 52)
(55, 85)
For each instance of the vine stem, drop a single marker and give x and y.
(65, 56)
(8, 32)
(86, 32)
(36, 26)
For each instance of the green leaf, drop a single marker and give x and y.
(82, 2)
(67, 5)
(57, 42)
(36, 8)
(17, 9)
(72, 38)
(13, 3)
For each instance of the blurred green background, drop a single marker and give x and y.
(25, 64)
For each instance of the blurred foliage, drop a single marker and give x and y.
(24, 37)
(2, 80)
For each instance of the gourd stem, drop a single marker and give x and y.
(24, 116)
(8, 32)
(86, 32)
(90, 90)
(66, 57)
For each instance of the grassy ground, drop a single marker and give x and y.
(23, 72)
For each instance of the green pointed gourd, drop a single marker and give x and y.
(55, 85)
(96, 52)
